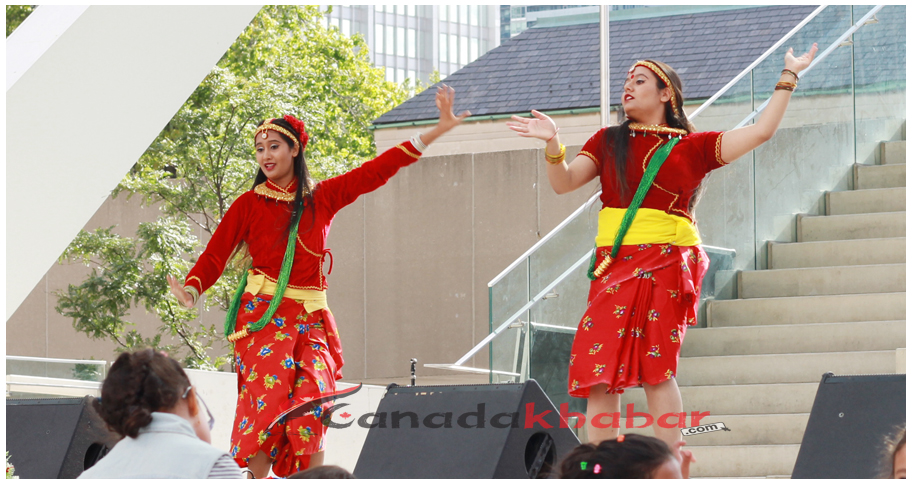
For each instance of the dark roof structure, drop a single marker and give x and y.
(557, 68)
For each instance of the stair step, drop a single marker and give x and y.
(866, 201)
(741, 461)
(780, 428)
(851, 226)
(880, 176)
(852, 279)
(893, 152)
(758, 399)
(807, 310)
(871, 251)
(781, 368)
(794, 338)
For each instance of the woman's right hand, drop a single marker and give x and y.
(182, 295)
(541, 127)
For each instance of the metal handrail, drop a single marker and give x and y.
(57, 360)
(756, 62)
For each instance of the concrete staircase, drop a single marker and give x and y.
(833, 301)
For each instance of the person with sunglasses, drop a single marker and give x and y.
(166, 425)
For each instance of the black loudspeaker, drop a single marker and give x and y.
(55, 438)
(851, 417)
(464, 431)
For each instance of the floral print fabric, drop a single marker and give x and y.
(288, 359)
(637, 314)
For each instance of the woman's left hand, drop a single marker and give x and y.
(446, 96)
(800, 63)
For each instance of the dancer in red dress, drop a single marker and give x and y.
(294, 351)
(643, 297)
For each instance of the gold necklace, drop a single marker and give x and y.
(656, 129)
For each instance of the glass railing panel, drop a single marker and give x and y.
(554, 321)
(50, 368)
(505, 297)
(813, 150)
(879, 50)
(563, 249)
(725, 208)
(507, 355)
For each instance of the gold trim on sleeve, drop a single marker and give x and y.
(719, 150)
(407, 151)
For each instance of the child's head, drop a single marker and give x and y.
(630, 456)
(895, 455)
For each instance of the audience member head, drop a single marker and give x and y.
(630, 456)
(323, 472)
(144, 382)
(895, 455)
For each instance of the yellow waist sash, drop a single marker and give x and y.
(314, 300)
(649, 226)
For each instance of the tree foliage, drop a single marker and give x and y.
(15, 15)
(285, 62)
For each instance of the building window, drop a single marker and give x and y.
(454, 49)
(379, 8)
(473, 53)
(346, 27)
(378, 38)
(463, 14)
(390, 74)
(411, 10)
(400, 75)
(463, 50)
(410, 43)
(443, 13)
(390, 39)
(400, 41)
(473, 14)
(443, 48)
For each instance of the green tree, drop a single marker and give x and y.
(15, 14)
(285, 62)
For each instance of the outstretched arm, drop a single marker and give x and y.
(344, 189)
(738, 142)
(563, 177)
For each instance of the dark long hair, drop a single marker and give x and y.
(138, 384)
(637, 457)
(304, 191)
(617, 143)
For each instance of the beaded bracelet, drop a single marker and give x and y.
(789, 71)
(556, 159)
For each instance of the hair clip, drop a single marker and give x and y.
(583, 465)
(597, 469)
(620, 438)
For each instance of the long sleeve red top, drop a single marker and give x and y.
(260, 217)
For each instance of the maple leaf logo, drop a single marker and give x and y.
(345, 415)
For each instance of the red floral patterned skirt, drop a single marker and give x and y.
(638, 313)
(296, 355)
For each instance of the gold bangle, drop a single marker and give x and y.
(556, 159)
(793, 73)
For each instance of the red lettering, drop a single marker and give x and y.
(631, 414)
(615, 420)
(565, 413)
(696, 416)
(681, 423)
(532, 419)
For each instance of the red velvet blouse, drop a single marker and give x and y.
(691, 159)
(259, 218)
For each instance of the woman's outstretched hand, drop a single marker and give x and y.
(800, 63)
(445, 98)
(541, 127)
(182, 295)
